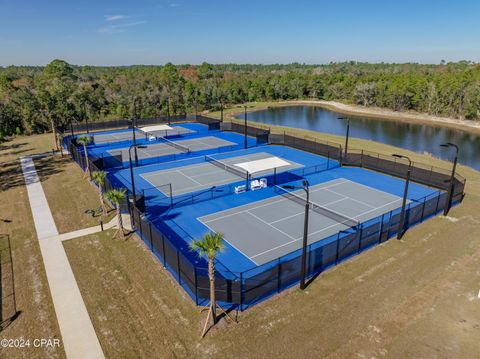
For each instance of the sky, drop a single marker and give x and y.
(105, 32)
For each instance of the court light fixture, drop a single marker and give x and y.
(131, 168)
(405, 193)
(448, 204)
(303, 268)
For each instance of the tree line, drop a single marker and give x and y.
(36, 99)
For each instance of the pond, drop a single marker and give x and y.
(416, 137)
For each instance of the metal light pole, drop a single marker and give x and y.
(131, 170)
(245, 143)
(134, 125)
(405, 193)
(303, 269)
(347, 134)
(448, 205)
(71, 129)
(221, 111)
(196, 105)
(168, 109)
(86, 117)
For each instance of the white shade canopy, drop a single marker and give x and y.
(155, 128)
(264, 164)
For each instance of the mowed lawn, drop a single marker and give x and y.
(36, 318)
(69, 193)
(411, 298)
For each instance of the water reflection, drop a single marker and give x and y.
(416, 137)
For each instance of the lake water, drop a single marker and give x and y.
(415, 137)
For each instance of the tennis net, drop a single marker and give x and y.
(337, 217)
(174, 144)
(226, 167)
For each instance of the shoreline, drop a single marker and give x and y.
(375, 113)
(387, 114)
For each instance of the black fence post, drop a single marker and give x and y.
(164, 254)
(423, 208)
(178, 266)
(381, 229)
(360, 234)
(438, 201)
(241, 291)
(338, 249)
(196, 284)
(151, 235)
(279, 276)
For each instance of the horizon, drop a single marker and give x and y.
(257, 64)
(156, 32)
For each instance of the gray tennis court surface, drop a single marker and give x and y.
(205, 175)
(266, 230)
(127, 135)
(158, 149)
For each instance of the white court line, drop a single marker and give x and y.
(190, 178)
(331, 226)
(268, 224)
(301, 212)
(268, 201)
(238, 249)
(384, 205)
(145, 168)
(353, 199)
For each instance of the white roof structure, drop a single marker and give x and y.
(264, 164)
(155, 128)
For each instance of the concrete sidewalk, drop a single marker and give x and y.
(78, 335)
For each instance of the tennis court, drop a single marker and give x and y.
(165, 147)
(266, 230)
(208, 174)
(126, 135)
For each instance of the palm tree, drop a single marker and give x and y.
(209, 246)
(84, 141)
(99, 178)
(115, 196)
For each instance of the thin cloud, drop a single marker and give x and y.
(118, 28)
(174, 4)
(116, 17)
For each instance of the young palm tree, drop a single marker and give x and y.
(99, 178)
(115, 196)
(209, 246)
(84, 141)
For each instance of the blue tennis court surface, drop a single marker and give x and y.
(206, 181)
(378, 194)
(198, 140)
(205, 175)
(268, 229)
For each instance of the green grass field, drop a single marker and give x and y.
(411, 298)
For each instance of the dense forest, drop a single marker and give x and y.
(33, 99)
